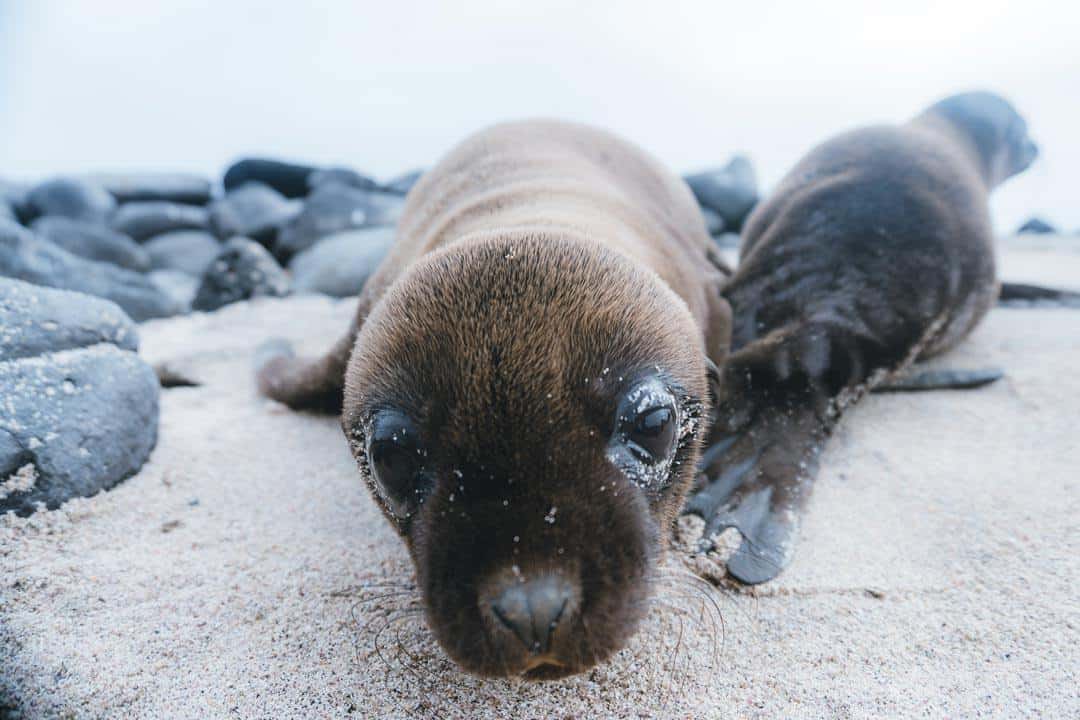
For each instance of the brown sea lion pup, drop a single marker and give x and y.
(525, 386)
(875, 250)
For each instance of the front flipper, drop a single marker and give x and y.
(314, 384)
(944, 379)
(757, 481)
(1020, 294)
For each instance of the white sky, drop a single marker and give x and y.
(385, 86)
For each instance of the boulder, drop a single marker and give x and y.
(730, 191)
(289, 179)
(144, 220)
(35, 320)
(189, 251)
(26, 257)
(714, 224)
(402, 184)
(71, 198)
(73, 423)
(332, 208)
(344, 176)
(178, 285)
(254, 210)
(244, 269)
(92, 241)
(340, 264)
(1036, 226)
(127, 187)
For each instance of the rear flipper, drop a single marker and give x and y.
(944, 379)
(1019, 294)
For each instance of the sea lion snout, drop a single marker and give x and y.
(534, 612)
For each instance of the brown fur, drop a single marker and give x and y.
(540, 268)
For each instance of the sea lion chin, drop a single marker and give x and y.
(525, 390)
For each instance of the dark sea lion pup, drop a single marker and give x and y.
(525, 386)
(875, 250)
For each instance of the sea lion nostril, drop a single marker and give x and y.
(532, 610)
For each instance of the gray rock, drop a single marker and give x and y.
(92, 241)
(254, 210)
(1036, 226)
(26, 257)
(83, 419)
(178, 285)
(35, 320)
(340, 264)
(147, 186)
(143, 220)
(332, 208)
(71, 198)
(7, 212)
(730, 191)
(714, 224)
(189, 251)
(244, 269)
(289, 179)
(728, 241)
(402, 184)
(344, 176)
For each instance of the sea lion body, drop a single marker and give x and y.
(525, 388)
(876, 249)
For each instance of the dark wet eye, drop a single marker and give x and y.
(395, 459)
(652, 435)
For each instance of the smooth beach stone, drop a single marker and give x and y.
(332, 208)
(244, 269)
(71, 198)
(35, 320)
(178, 285)
(24, 256)
(253, 210)
(189, 251)
(1036, 226)
(144, 220)
(730, 191)
(345, 176)
(93, 241)
(714, 224)
(340, 264)
(186, 188)
(289, 179)
(402, 184)
(83, 419)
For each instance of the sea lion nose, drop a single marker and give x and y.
(532, 609)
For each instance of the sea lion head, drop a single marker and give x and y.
(528, 413)
(997, 130)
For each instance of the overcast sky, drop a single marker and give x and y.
(386, 86)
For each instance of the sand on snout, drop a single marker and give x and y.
(245, 572)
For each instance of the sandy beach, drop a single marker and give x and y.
(245, 573)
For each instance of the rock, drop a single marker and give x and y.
(344, 176)
(142, 220)
(728, 241)
(254, 210)
(714, 224)
(730, 191)
(71, 198)
(82, 420)
(35, 320)
(244, 269)
(7, 212)
(26, 257)
(178, 285)
(340, 264)
(332, 208)
(402, 184)
(148, 186)
(92, 241)
(189, 251)
(1036, 226)
(289, 179)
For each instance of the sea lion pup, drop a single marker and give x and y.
(875, 250)
(524, 389)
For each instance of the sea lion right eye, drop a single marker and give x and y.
(396, 461)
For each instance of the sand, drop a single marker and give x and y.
(245, 573)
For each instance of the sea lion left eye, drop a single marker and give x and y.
(653, 434)
(394, 457)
